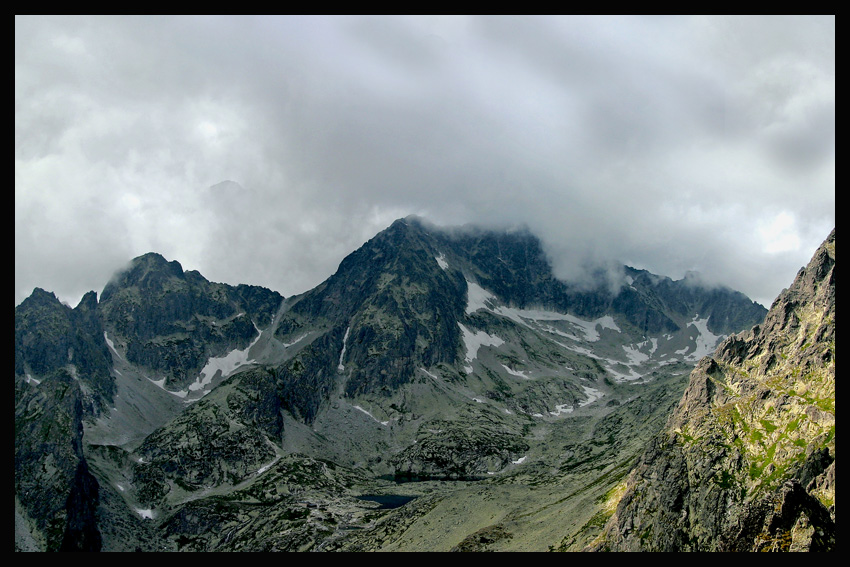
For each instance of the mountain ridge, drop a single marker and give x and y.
(429, 354)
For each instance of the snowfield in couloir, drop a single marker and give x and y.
(637, 359)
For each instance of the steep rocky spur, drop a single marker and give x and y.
(747, 460)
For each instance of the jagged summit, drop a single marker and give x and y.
(39, 297)
(149, 270)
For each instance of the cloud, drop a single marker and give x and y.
(669, 143)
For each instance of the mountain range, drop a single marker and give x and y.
(443, 390)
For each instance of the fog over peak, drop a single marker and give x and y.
(262, 150)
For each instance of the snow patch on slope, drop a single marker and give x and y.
(519, 373)
(296, 341)
(111, 346)
(473, 340)
(706, 340)
(634, 355)
(340, 367)
(592, 395)
(372, 416)
(226, 365)
(480, 298)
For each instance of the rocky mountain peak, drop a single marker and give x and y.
(172, 321)
(40, 297)
(149, 271)
(814, 286)
(88, 302)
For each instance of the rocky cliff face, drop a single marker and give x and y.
(53, 485)
(51, 337)
(62, 375)
(747, 460)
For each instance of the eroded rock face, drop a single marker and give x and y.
(746, 462)
(461, 450)
(53, 484)
(170, 321)
(51, 337)
(788, 519)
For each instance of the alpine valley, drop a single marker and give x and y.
(442, 391)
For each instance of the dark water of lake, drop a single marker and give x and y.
(387, 501)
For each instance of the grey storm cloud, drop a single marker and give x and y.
(262, 150)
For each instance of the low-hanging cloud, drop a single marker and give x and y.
(667, 143)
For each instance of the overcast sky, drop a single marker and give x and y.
(263, 150)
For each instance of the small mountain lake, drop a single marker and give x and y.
(387, 501)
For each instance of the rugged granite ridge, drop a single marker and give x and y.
(393, 305)
(171, 321)
(515, 267)
(51, 337)
(747, 460)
